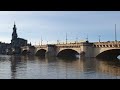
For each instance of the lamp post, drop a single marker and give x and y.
(115, 34)
(41, 40)
(99, 38)
(57, 41)
(87, 38)
(76, 40)
(66, 38)
(39, 43)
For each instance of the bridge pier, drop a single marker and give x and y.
(28, 50)
(51, 51)
(32, 50)
(87, 50)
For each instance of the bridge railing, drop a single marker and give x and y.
(107, 44)
(64, 43)
(41, 46)
(69, 45)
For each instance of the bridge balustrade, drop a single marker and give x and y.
(107, 46)
(103, 45)
(68, 46)
(110, 45)
(43, 46)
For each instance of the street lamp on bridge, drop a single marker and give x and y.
(87, 38)
(99, 37)
(66, 38)
(41, 40)
(76, 39)
(115, 34)
(58, 42)
(39, 43)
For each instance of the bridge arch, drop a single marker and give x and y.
(25, 52)
(68, 53)
(41, 52)
(109, 54)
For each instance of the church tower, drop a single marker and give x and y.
(14, 34)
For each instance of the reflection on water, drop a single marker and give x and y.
(24, 67)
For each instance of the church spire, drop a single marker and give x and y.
(14, 23)
(14, 26)
(14, 34)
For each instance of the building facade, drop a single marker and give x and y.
(4, 47)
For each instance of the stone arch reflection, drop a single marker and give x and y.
(111, 67)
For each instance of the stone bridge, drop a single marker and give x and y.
(85, 49)
(106, 49)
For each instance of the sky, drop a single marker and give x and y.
(53, 25)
